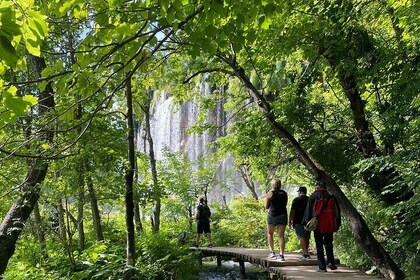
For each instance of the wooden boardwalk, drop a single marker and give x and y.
(291, 269)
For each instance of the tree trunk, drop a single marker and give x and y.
(361, 232)
(190, 217)
(80, 214)
(94, 205)
(61, 223)
(40, 231)
(367, 143)
(244, 169)
(69, 246)
(13, 223)
(129, 178)
(62, 230)
(15, 219)
(157, 208)
(376, 180)
(137, 218)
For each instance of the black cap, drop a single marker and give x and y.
(302, 189)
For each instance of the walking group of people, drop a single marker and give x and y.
(321, 204)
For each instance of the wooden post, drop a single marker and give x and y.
(200, 258)
(219, 261)
(242, 266)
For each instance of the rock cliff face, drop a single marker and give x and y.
(169, 125)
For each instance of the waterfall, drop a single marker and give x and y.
(169, 125)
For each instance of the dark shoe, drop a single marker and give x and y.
(210, 245)
(332, 266)
(281, 258)
(321, 270)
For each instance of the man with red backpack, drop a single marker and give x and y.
(323, 205)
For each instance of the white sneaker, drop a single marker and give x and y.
(272, 255)
(305, 257)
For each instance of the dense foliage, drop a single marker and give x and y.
(340, 77)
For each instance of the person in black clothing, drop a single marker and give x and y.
(295, 220)
(330, 216)
(203, 222)
(276, 202)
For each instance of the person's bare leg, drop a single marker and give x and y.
(281, 230)
(208, 235)
(305, 247)
(197, 239)
(304, 244)
(270, 237)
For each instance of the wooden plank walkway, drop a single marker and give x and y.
(292, 268)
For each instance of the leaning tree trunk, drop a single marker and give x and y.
(94, 205)
(129, 178)
(376, 180)
(385, 264)
(14, 221)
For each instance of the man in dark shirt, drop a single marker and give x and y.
(295, 220)
(203, 223)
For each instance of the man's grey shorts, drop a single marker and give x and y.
(301, 232)
(277, 220)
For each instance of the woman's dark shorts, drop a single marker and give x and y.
(301, 232)
(203, 226)
(277, 220)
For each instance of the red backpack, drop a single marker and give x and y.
(327, 218)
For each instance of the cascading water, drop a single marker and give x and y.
(169, 125)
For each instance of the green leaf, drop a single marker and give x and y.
(164, 5)
(266, 24)
(211, 31)
(2, 68)
(9, 27)
(218, 7)
(38, 23)
(42, 85)
(33, 47)
(170, 16)
(14, 104)
(153, 41)
(67, 5)
(113, 3)
(7, 52)
(67, 116)
(32, 100)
